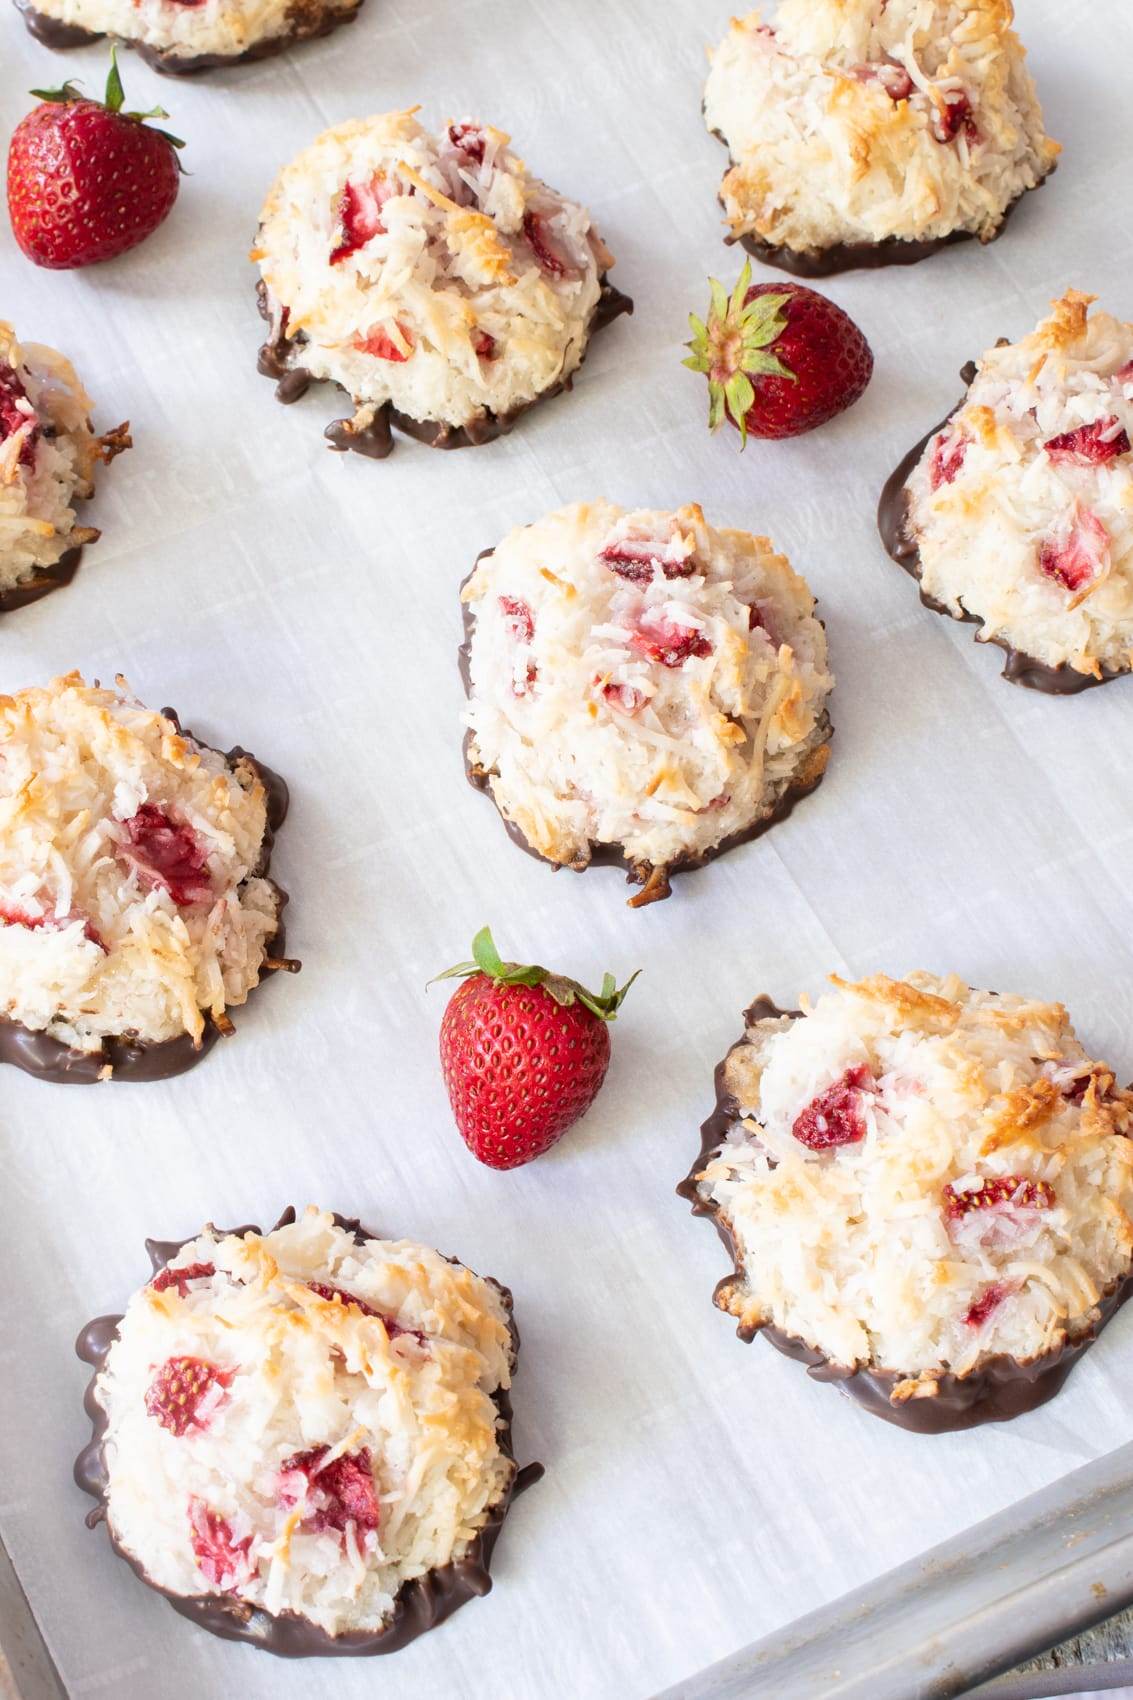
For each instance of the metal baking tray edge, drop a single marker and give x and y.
(944, 1624)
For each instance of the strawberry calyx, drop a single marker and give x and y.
(733, 346)
(114, 101)
(487, 961)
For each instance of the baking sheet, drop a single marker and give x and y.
(699, 1492)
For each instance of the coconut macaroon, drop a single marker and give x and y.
(182, 36)
(134, 904)
(48, 456)
(927, 1192)
(1018, 512)
(868, 132)
(430, 276)
(302, 1437)
(642, 687)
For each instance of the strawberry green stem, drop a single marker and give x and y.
(734, 345)
(486, 960)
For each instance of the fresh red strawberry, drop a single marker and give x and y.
(222, 1560)
(1079, 558)
(331, 1495)
(523, 1053)
(779, 358)
(180, 1278)
(185, 1393)
(164, 853)
(1013, 1190)
(86, 180)
(331, 1294)
(835, 1116)
(1089, 445)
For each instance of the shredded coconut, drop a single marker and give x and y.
(317, 1452)
(130, 901)
(188, 29)
(921, 1176)
(433, 272)
(642, 679)
(48, 454)
(852, 121)
(1022, 506)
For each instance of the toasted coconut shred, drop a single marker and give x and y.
(921, 1176)
(48, 455)
(1022, 506)
(641, 679)
(186, 29)
(304, 1423)
(433, 272)
(129, 901)
(853, 121)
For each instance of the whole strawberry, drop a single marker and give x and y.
(779, 358)
(86, 180)
(523, 1053)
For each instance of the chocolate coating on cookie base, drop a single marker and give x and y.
(860, 256)
(52, 32)
(654, 880)
(375, 439)
(45, 580)
(892, 523)
(127, 1056)
(420, 1605)
(998, 1388)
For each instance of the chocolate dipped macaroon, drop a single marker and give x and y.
(872, 132)
(135, 904)
(927, 1192)
(431, 277)
(643, 688)
(1015, 513)
(49, 455)
(180, 37)
(302, 1438)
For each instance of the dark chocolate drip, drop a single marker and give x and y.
(52, 32)
(654, 879)
(421, 1604)
(375, 439)
(901, 546)
(46, 579)
(860, 256)
(998, 1388)
(129, 1057)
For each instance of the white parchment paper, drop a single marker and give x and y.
(698, 1492)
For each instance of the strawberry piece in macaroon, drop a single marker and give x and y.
(223, 1561)
(1095, 444)
(167, 854)
(835, 1116)
(1079, 558)
(331, 1492)
(360, 214)
(186, 1393)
